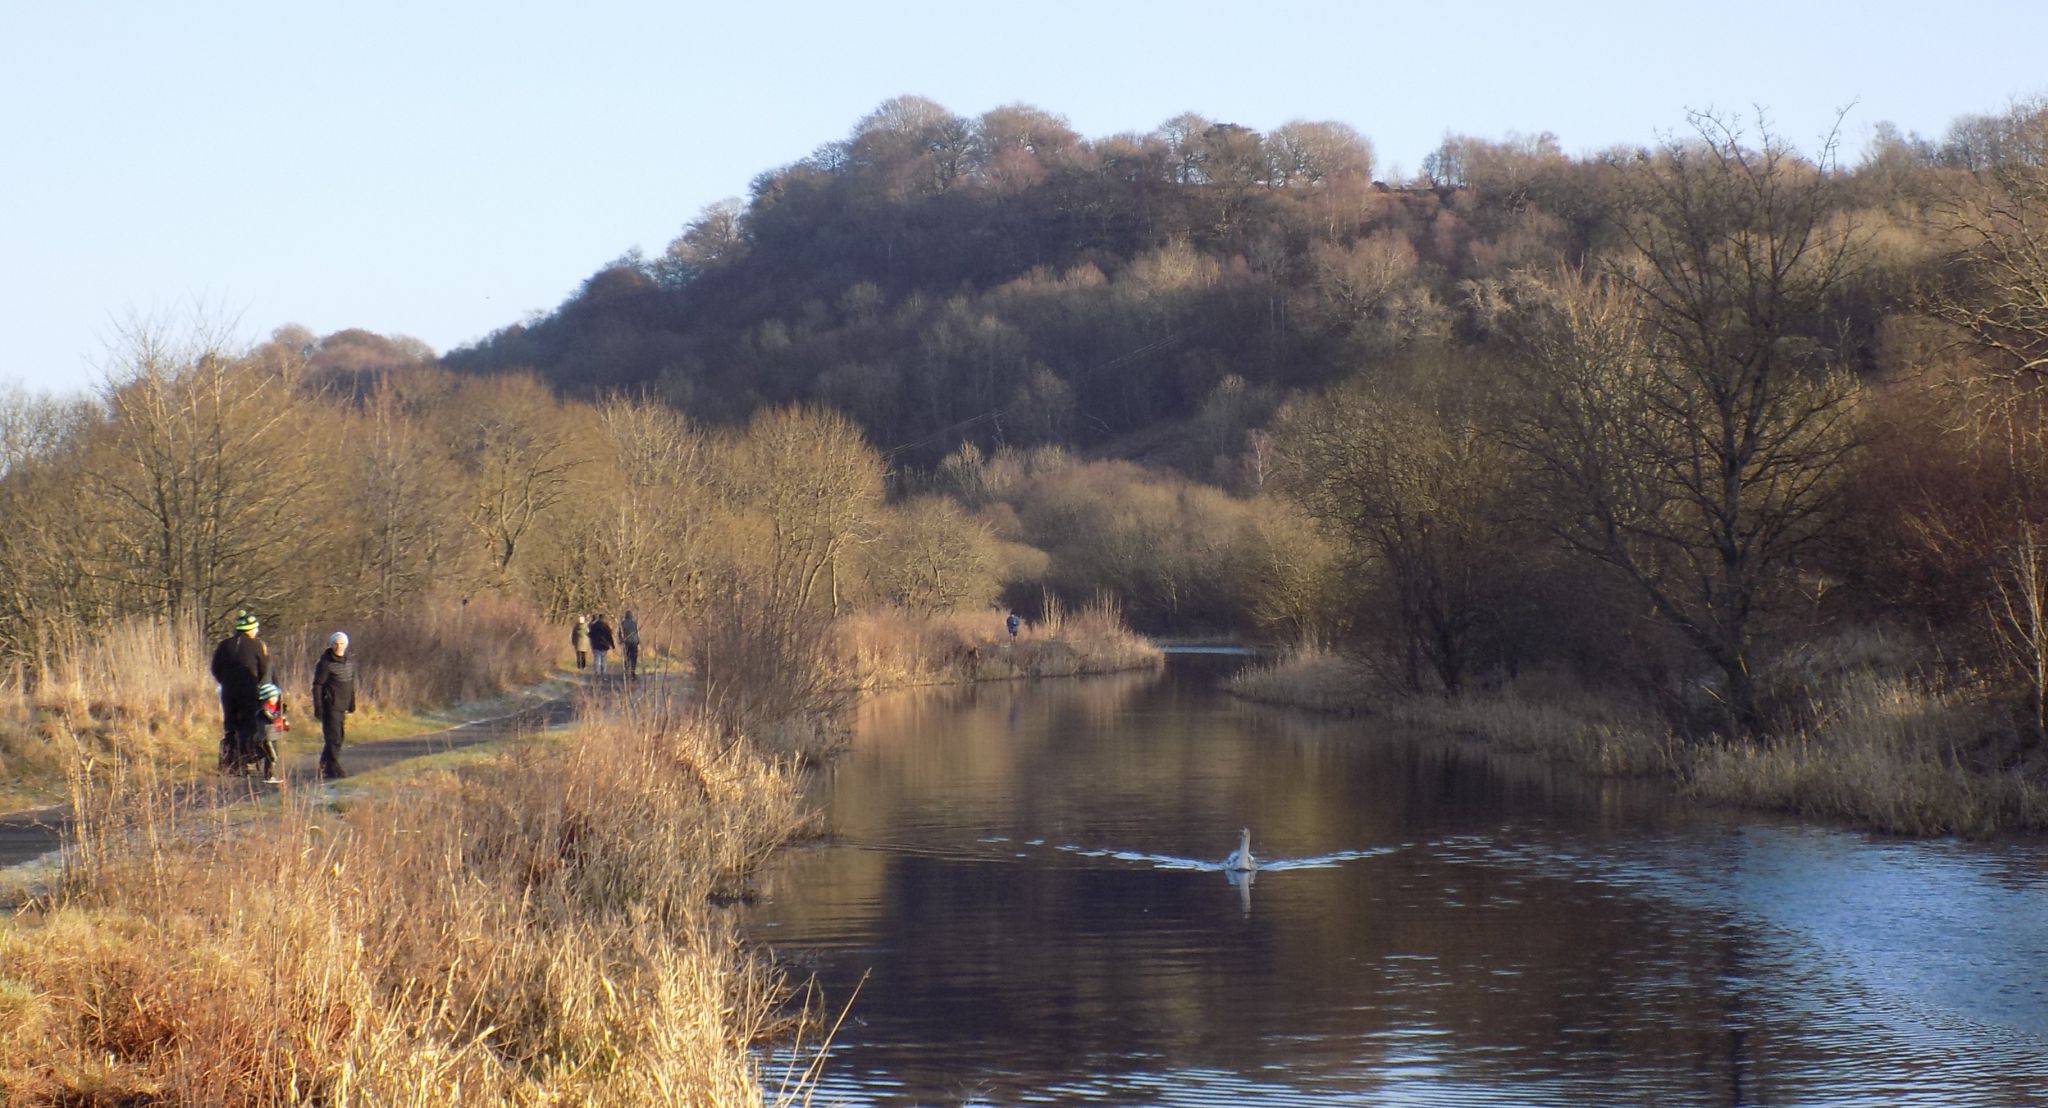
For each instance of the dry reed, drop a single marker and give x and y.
(135, 689)
(1885, 752)
(1312, 678)
(894, 648)
(540, 929)
(141, 689)
(1599, 734)
(1551, 719)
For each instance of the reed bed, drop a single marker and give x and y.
(543, 928)
(136, 689)
(1313, 678)
(1889, 753)
(1555, 720)
(895, 648)
(1866, 744)
(447, 651)
(1598, 734)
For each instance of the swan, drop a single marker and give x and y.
(1241, 859)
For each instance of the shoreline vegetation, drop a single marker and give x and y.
(1880, 751)
(539, 926)
(542, 922)
(898, 649)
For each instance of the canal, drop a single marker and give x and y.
(1022, 901)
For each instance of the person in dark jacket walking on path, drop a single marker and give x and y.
(629, 642)
(600, 640)
(241, 663)
(579, 638)
(334, 697)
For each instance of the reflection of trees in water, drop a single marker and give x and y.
(982, 962)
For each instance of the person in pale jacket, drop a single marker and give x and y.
(579, 638)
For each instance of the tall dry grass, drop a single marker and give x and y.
(1887, 752)
(542, 929)
(768, 668)
(1545, 716)
(141, 690)
(1558, 721)
(1314, 678)
(449, 650)
(133, 690)
(893, 648)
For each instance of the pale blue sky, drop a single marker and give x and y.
(441, 169)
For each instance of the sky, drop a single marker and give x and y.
(444, 169)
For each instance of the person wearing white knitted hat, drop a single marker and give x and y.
(334, 697)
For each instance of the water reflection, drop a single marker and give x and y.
(1030, 877)
(1241, 880)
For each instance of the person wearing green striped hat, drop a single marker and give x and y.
(241, 664)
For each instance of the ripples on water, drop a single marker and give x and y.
(1029, 879)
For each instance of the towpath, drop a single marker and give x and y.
(33, 836)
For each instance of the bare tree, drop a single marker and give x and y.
(813, 479)
(1307, 154)
(2020, 612)
(1687, 425)
(1412, 490)
(1994, 288)
(521, 451)
(408, 501)
(195, 480)
(44, 539)
(654, 536)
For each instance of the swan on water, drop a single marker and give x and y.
(1241, 859)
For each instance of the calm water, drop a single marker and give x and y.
(1024, 904)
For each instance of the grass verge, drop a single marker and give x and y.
(537, 927)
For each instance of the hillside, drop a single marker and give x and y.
(1002, 280)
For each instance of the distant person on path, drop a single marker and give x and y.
(241, 663)
(334, 697)
(1012, 624)
(579, 637)
(600, 640)
(629, 638)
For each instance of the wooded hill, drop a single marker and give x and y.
(1004, 280)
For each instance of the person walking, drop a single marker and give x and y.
(334, 697)
(600, 640)
(629, 638)
(241, 664)
(1011, 624)
(579, 637)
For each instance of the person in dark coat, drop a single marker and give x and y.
(600, 640)
(241, 663)
(334, 697)
(629, 643)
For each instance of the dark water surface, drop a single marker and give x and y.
(1026, 893)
